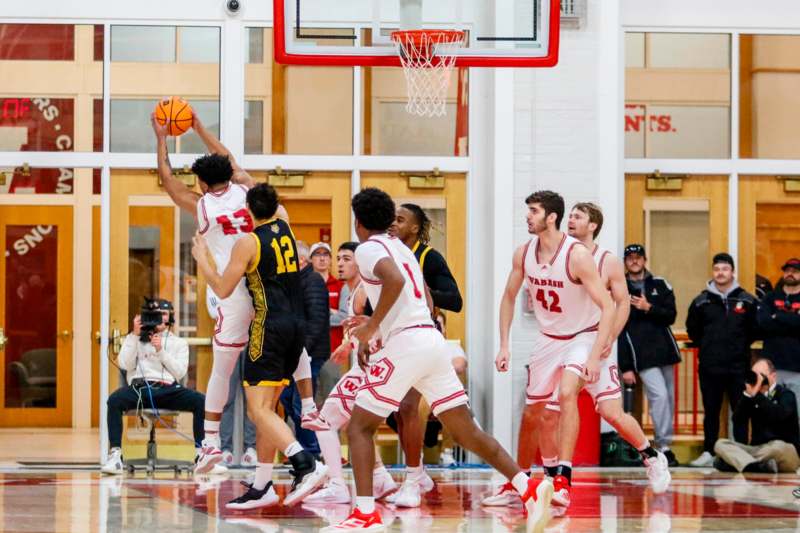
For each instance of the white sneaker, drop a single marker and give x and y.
(424, 484)
(409, 495)
(305, 484)
(658, 473)
(208, 457)
(113, 465)
(254, 499)
(706, 460)
(504, 496)
(447, 459)
(335, 492)
(250, 458)
(227, 458)
(218, 469)
(382, 483)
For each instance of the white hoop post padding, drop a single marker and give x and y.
(428, 66)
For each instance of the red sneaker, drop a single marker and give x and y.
(358, 521)
(561, 488)
(536, 502)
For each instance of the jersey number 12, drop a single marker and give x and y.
(284, 255)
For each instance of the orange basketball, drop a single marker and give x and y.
(176, 113)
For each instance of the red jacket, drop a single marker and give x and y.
(334, 290)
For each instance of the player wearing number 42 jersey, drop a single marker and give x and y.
(268, 258)
(574, 313)
(223, 219)
(414, 355)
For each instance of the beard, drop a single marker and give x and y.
(791, 282)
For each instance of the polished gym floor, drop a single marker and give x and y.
(42, 499)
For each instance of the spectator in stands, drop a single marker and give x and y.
(315, 297)
(771, 412)
(779, 320)
(321, 259)
(722, 324)
(647, 346)
(154, 360)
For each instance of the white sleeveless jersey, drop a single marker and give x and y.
(562, 306)
(411, 308)
(600, 256)
(223, 219)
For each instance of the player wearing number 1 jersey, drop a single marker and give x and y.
(414, 355)
(574, 314)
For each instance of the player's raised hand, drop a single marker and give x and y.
(196, 123)
(501, 361)
(160, 130)
(199, 247)
(591, 371)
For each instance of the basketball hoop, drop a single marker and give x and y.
(428, 62)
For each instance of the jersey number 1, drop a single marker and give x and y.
(552, 306)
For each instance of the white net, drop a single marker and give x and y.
(427, 64)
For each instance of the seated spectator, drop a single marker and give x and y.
(771, 412)
(155, 360)
(227, 424)
(779, 320)
(722, 324)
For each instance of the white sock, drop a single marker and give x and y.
(263, 475)
(550, 461)
(644, 445)
(292, 449)
(415, 472)
(380, 468)
(212, 433)
(197, 451)
(520, 482)
(568, 464)
(331, 449)
(307, 406)
(365, 504)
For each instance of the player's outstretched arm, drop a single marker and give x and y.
(242, 256)
(513, 284)
(619, 293)
(582, 265)
(183, 196)
(215, 146)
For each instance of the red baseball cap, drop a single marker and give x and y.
(791, 263)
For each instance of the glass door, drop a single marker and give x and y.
(36, 316)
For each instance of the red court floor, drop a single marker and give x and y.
(609, 500)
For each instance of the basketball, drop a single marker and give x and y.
(176, 113)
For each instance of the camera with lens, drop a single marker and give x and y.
(751, 378)
(151, 317)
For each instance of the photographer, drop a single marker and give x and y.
(154, 360)
(770, 410)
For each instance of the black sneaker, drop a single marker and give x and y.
(722, 466)
(770, 466)
(254, 499)
(672, 461)
(308, 474)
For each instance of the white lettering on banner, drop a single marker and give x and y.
(29, 241)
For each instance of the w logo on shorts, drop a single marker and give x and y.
(378, 373)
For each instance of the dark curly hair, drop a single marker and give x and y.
(213, 169)
(424, 235)
(374, 209)
(262, 200)
(551, 202)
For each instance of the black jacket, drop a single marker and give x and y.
(438, 278)
(315, 299)
(723, 328)
(647, 340)
(772, 417)
(779, 320)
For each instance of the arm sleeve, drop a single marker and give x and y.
(694, 325)
(443, 286)
(664, 311)
(127, 355)
(175, 357)
(777, 413)
(341, 313)
(368, 254)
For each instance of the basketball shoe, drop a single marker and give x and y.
(561, 491)
(536, 502)
(358, 521)
(658, 473)
(504, 496)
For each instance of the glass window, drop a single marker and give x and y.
(154, 44)
(37, 58)
(306, 110)
(770, 82)
(198, 45)
(677, 95)
(139, 79)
